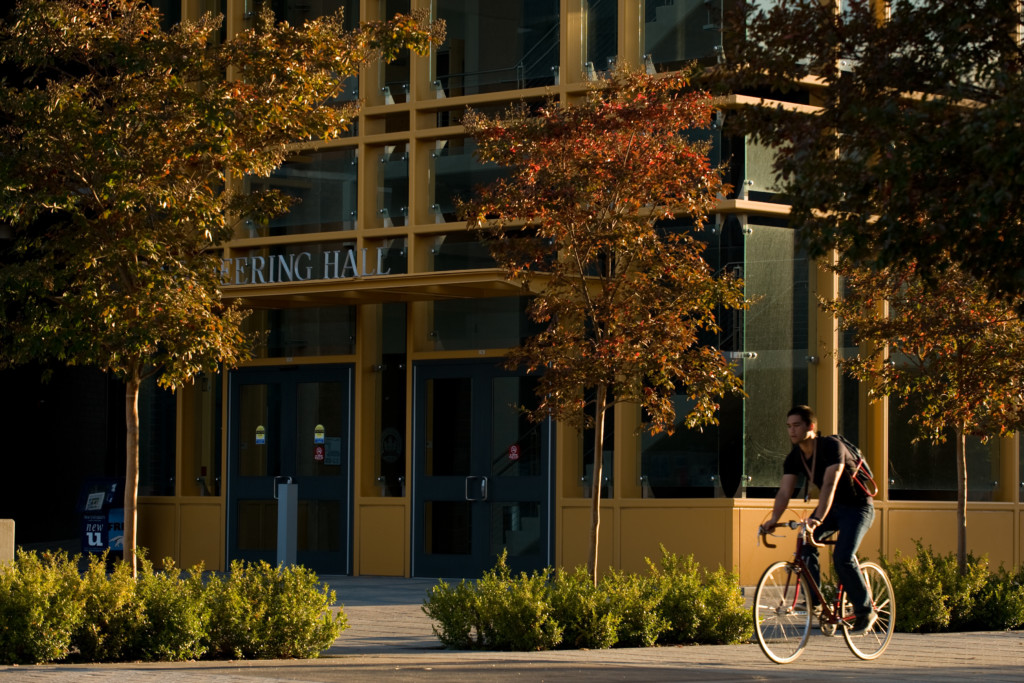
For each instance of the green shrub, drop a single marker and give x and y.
(454, 614)
(514, 613)
(264, 612)
(1000, 603)
(930, 593)
(114, 616)
(726, 619)
(681, 604)
(41, 607)
(635, 600)
(700, 607)
(582, 610)
(176, 613)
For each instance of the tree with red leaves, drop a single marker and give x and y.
(590, 218)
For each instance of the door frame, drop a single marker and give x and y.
(292, 375)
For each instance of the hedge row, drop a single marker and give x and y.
(50, 611)
(932, 596)
(677, 602)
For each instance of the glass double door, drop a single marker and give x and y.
(291, 424)
(482, 480)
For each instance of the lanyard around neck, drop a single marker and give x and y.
(809, 470)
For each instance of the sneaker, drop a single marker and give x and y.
(863, 623)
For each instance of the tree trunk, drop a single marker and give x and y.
(961, 500)
(600, 405)
(131, 478)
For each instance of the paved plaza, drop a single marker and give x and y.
(390, 639)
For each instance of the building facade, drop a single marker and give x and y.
(379, 388)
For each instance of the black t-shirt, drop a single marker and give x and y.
(830, 451)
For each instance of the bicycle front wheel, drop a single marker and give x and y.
(873, 643)
(782, 612)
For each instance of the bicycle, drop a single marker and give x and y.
(783, 606)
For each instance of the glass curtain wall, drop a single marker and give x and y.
(774, 360)
(157, 439)
(313, 331)
(698, 463)
(600, 34)
(927, 471)
(453, 173)
(676, 32)
(323, 186)
(494, 46)
(396, 74)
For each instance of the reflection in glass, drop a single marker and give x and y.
(389, 256)
(461, 324)
(454, 172)
(157, 439)
(600, 32)
(393, 186)
(683, 464)
(395, 87)
(258, 441)
(776, 329)
(681, 31)
(849, 390)
(516, 527)
(321, 404)
(492, 46)
(201, 474)
(325, 187)
(314, 331)
(170, 12)
(460, 251)
(926, 471)
(515, 440)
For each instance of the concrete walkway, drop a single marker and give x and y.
(390, 639)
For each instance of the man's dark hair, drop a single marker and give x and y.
(806, 414)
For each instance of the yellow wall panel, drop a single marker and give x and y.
(383, 540)
(158, 531)
(575, 538)
(695, 531)
(202, 536)
(989, 532)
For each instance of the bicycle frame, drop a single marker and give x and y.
(830, 612)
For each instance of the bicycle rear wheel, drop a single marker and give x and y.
(782, 612)
(873, 643)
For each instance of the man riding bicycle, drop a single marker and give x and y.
(842, 507)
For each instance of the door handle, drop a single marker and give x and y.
(476, 488)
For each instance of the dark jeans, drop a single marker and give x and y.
(852, 522)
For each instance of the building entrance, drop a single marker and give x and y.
(482, 479)
(292, 422)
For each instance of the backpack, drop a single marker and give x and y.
(860, 473)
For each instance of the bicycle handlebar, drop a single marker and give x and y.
(792, 524)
